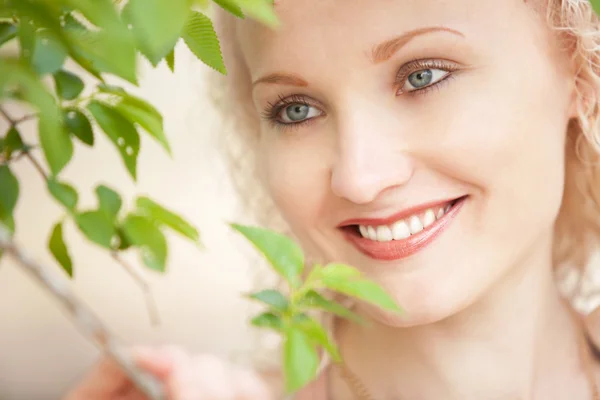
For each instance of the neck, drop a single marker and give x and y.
(519, 341)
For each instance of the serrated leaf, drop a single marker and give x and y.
(57, 247)
(55, 141)
(281, 252)
(162, 216)
(317, 334)
(300, 359)
(68, 85)
(231, 6)
(97, 227)
(142, 233)
(272, 298)
(313, 299)
(13, 142)
(364, 290)
(170, 59)
(78, 125)
(49, 54)
(9, 192)
(157, 25)
(109, 201)
(65, 194)
(120, 131)
(200, 36)
(8, 32)
(267, 320)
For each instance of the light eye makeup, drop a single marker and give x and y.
(414, 78)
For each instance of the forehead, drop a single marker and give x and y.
(313, 29)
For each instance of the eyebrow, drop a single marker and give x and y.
(380, 53)
(384, 51)
(282, 79)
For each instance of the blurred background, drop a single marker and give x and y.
(199, 299)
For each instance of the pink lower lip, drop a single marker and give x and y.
(397, 249)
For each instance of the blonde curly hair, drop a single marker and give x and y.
(577, 229)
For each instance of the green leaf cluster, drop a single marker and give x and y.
(290, 315)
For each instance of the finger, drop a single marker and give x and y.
(250, 386)
(201, 378)
(159, 361)
(105, 380)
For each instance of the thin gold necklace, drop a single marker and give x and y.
(361, 392)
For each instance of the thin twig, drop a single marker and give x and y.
(36, 164)
(25, 118)
(83, 317)
(7, 117)
(150, 303)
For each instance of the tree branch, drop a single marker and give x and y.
(150, 303)
(36, 164)
(83, 317)
(7, 117)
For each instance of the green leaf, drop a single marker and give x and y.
(231, 6)
(8, 32)
(260, 10)
(109, 201)
(157, 25)
(97, 227)
(49, 54)
(64, 193)
(300, 359)
(59, 249)
(139, 111)
(273, 298)
(13, 142)
(281, 252)
(78, 125)
(55, 141)
(596, 6)
(68, 85)
(364, 290)
(268, 320)
(199, 35)
(120, 131)
(110, 50)
(317, 334)
(170, 58)
(26, 33)
(142, 233)
(124, 243)
(337, 271)
(162, 216)
(313, 299)
(9, 192)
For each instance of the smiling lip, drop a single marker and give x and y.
(397, 249)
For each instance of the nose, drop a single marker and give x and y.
(372, 155)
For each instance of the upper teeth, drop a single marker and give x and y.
(403, 228)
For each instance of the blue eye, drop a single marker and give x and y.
(423, 78)
(298, 112)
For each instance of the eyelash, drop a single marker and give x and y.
(272, 110)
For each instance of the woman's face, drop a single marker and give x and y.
(421, 141)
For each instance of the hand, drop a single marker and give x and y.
(185, 377)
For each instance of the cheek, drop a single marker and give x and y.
(506, 139)
(296, 174)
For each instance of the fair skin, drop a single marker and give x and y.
(487, 128)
